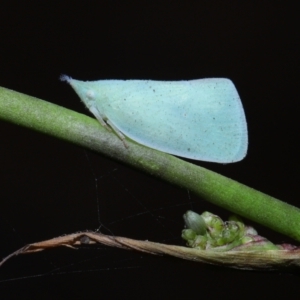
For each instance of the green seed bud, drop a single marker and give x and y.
(195, 222)
(188, 234)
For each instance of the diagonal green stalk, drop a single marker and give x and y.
(82, 130)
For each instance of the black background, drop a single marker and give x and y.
(48, 186)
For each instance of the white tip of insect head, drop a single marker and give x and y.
(64, 77)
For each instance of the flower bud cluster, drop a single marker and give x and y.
(209, 232)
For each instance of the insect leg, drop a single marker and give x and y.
(95, 112)
(108, 125)
(118, 132)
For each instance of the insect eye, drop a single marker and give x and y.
(90, 94)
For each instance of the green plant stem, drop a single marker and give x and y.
(82, 130)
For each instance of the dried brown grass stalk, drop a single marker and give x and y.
(248, 260)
